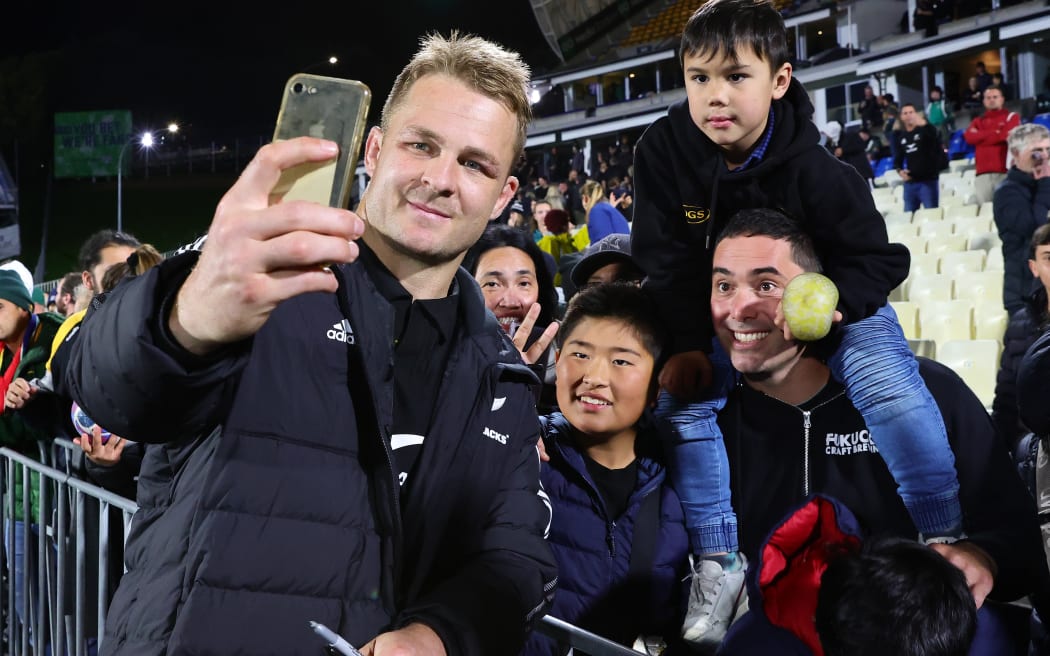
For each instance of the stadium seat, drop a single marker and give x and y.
(882, 166)
(990, 321)
(958, 148)
(973, 225)
(908, 317)
(994, 260)
(928, 214)
(969, 174)
(979, 286)
(929, 287)
(985, 241)
(986, 210)
(935, 229)
(963, 262)
(926, 348)
(916, 245)
(896, 231)
(948, 201)
(945, 320)
(957, 212)
(924, 264)
(977, 363)
(898, 217)
(960, 165)
(950, 244)
(1042, 119)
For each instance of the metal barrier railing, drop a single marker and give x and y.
(48, 612)
(48, 615)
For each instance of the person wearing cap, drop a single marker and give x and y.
(26, 338)
(607, 260)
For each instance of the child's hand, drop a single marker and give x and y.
(779, 322)
(686, 374)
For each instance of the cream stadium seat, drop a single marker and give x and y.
(928, 214)
(958, 199)
(987, 209)
(932, 230)
(926, 348)
(929, 287)
(950, 244)
(924, 264)
(994, 260)
(908, 317)
(974, 225)
(977, 363)
(957, 166)
(889, 206)
(898, 217)
(896, 231)
(989, 321)
(964, 262)
(969, 174)
(960, 212)
(979, 286)
(942, 321)
(915, 245)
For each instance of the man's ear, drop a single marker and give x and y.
(373, 145)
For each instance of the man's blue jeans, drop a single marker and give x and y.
(924, 192)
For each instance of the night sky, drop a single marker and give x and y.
(219, 71)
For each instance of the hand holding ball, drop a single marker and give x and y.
(809, 303)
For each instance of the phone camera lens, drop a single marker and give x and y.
(298, 87)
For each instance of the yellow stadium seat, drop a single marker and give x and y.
(945, 320)
(950, 244)
(929, 287)
(908, 317)
(977, 363)
(963, 262)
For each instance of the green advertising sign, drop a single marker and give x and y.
(87, 144)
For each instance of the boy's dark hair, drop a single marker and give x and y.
(1041, 237)
(623, 302)
(725, 26)
(937, 89)
(497, 235)
(895, 596)
(91, 251)
(763, 222)
(912, 105)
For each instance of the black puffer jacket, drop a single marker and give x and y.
(280, 503)
(1020, 204)
(1025, 326)
(684, 195)
(1033, 386)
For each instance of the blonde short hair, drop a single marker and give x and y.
(486, 67)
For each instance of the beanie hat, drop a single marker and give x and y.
(557, 221)
(14, 290)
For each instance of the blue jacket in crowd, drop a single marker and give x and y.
(593, 550)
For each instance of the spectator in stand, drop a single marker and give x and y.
(557, 241)
(1020, 205)
(1025, 326)
(918, 160)
(973, 98)
(925, 17)
(1000, 83)
(602, 216)
(939, 114)
(987, 134)
(853, 149)
(517, 286)
(605, 261)
(870, 110)
(516, 214)
(65, 298)
(984, 78)
(577, 160)
(618, 533)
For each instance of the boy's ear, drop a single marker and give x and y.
(781, 80)
(557, 355)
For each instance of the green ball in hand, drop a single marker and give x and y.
(809, 304)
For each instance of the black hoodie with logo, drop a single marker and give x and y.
(685, 195)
